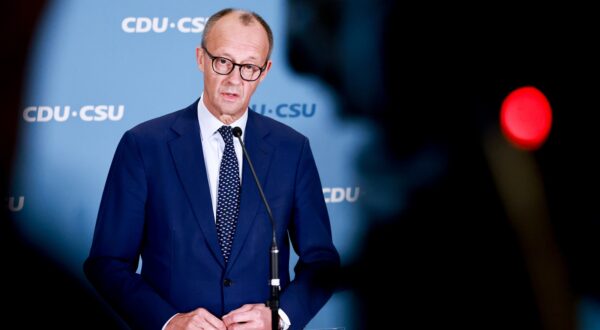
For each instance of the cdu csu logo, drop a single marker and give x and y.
(286, 110)
(15, 204)
(162, 24)
(341, 194)
(63, 113)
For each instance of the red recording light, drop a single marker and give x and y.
(526, 118)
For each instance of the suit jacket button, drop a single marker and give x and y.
(227, 282)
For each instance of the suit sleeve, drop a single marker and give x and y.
(111, 265)
(310, 234)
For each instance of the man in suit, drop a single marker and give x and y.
(162, 202)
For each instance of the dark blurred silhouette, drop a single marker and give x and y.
(482, 235)
(36, 290)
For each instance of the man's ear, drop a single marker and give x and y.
(267, 68)
(200, 58)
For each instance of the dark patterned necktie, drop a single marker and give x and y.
(228, 195)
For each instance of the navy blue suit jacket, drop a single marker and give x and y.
(156, 203)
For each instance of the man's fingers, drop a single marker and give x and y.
(204, 319)
(214, 321)
(232, 317)
(255, 316)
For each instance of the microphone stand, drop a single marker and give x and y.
(274, 282)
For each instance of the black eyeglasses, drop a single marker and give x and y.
(224, 66)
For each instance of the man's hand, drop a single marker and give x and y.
(249, 317)
(199, 318)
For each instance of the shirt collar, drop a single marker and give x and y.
(209, 124)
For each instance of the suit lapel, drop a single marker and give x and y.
(260, 153)
(189, 161)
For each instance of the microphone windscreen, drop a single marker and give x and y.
(237, 132)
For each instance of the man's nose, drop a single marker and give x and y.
(234, 76)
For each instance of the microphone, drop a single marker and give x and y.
(273, 302)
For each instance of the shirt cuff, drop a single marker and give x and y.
(284, 320)
(169, 320)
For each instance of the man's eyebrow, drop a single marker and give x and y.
(228, 55)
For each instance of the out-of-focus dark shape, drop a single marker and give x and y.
(18, 24)
(484, 236)
(37, 292)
